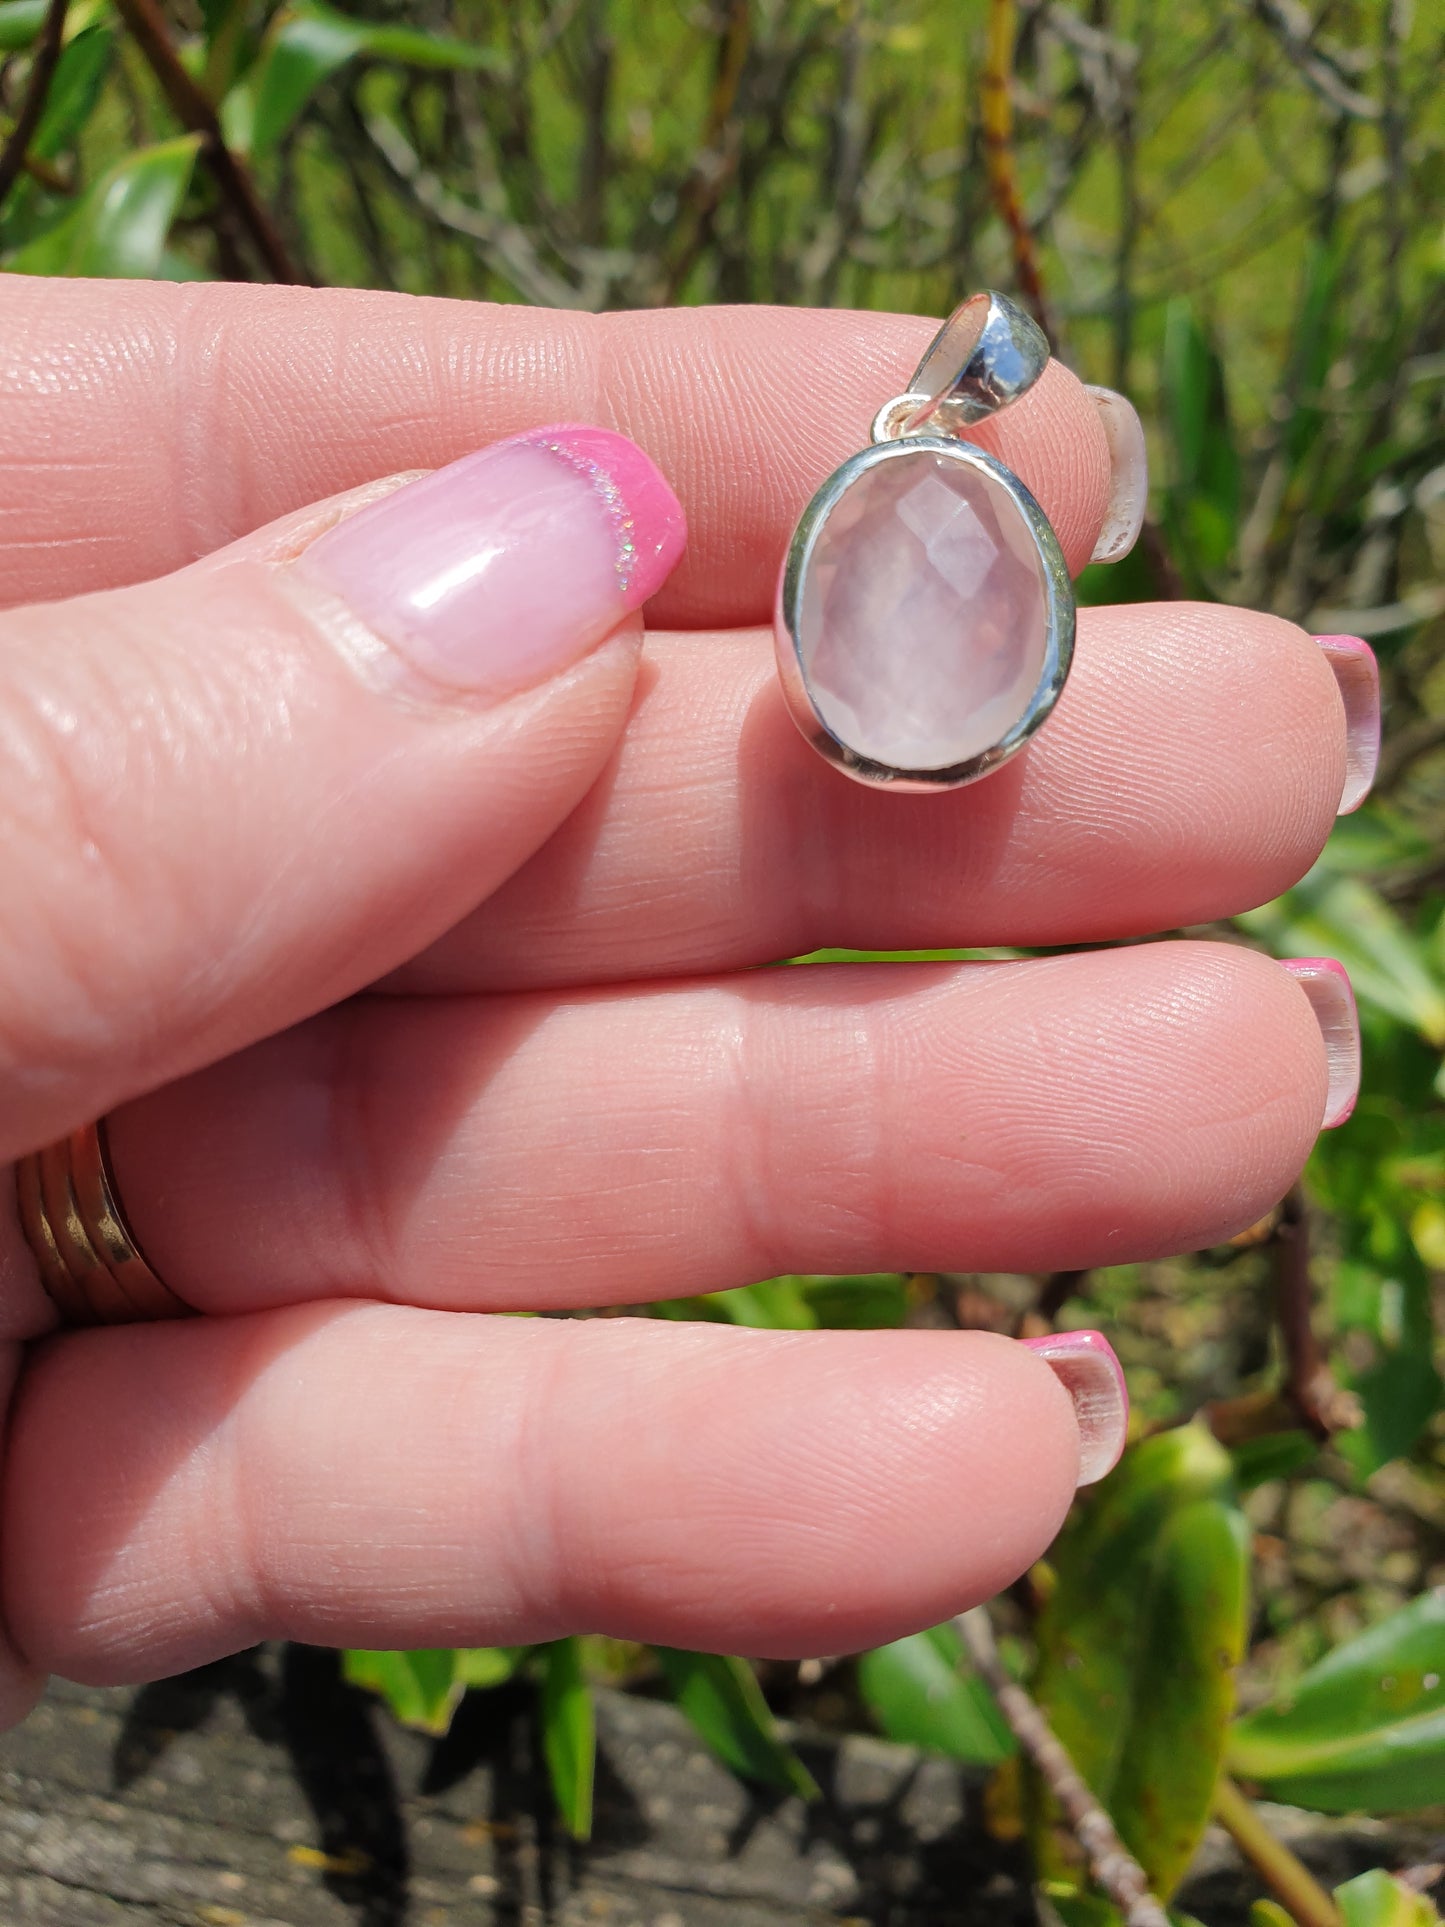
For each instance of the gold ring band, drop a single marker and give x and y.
(90, 1264)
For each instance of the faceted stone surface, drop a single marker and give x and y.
(922, 620)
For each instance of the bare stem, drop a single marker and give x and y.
(37, 90)
(1286, 1876)
(194, 111)
(1115, 1870)
(998, 148)
(1324, 1406)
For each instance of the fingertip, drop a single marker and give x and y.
(1054, 440)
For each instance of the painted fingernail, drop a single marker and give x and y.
(1358, 674)
(1129, 472)
(1332, 998)
(1086, 1366)
(505, 567)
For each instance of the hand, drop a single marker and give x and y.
(248, 768)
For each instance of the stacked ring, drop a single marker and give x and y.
(90, 1264)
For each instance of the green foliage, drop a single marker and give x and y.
(74, 92)
(305, 45)
(922, 1693)
(119, 226)
(569, 1734)
(1365, 1728)
(1375, 1899)
(1202, 498)
(421, 1687)
(20, 22)
(1137, 1647)
(722, 1698)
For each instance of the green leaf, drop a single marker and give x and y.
(74, 91)
(1377, 1899)
(421, 1687)
(722, 1698)
(118, 228)
(875, 1303)
(309, 43)
(486, 1666)
(922, 1693)
(1365, 1728)
(1339, 916)
(20, 24)
(569, 1734)
(1074, 1909)
(1269, 1913)
(1137, 1646)
(1201, 504)
(778, 1304)
(1274, 1456)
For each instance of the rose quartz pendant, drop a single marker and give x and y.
(925, 617)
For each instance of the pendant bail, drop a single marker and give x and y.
(987, 354)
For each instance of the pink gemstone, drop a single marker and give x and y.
(923, 619)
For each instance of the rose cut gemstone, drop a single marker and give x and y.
(922, 615)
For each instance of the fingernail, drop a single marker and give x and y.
(1086, 1366)
(1358, 674)
(1129, 472)
(505, 567)
(1332, 998)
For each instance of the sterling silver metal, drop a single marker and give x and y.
(987, 354)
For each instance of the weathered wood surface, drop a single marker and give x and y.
(265, 1793)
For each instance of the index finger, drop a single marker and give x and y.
(165, 421)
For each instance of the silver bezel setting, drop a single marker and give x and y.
(1059, 617)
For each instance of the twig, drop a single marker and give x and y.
(1058, 1288)
(1286, 1876)
(37, 90)
(717, 157)
(196, 114)
(998, 119)
(1114, 1868)
(1324, 1406)
(506, 247)
(1293, 29)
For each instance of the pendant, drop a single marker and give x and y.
(925, 618)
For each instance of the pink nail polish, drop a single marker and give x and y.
(505, 567)
(1086, 1365)
(1332, 998)
(1358, 675)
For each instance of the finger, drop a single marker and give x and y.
(379, 1477)
(20, 1684)
(233, 795)
(605, 1149)
(261, 399)
(1192, 769)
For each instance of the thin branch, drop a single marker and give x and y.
(196, 114)
(998, 149)
(37, 91)
(505, 245)
(1324, 1406)
(1057, 1289)
(1293, 31)
(1286, 1876)
(1115, 1870)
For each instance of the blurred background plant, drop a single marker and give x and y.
(1233, 211)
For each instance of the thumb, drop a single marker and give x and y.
(232, 796)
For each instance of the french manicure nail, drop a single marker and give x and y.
(1358, 675)
(507, 566)
(1129, 475)
(1086, 1366)
(1332, 998)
